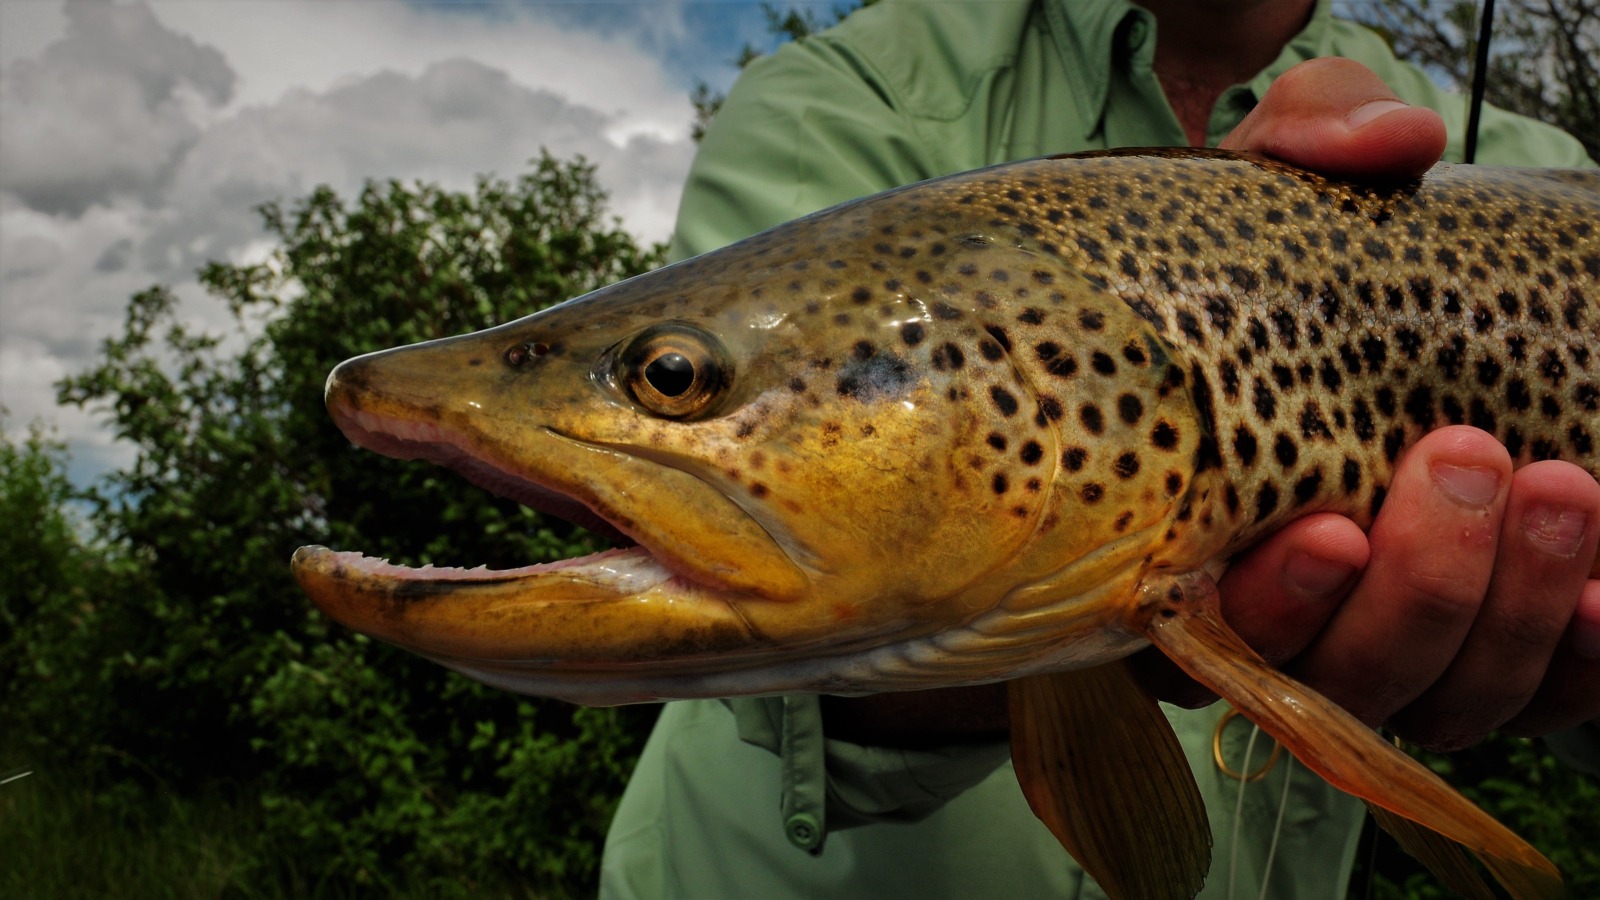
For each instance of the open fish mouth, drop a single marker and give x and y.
(489, 614)
(704, 595)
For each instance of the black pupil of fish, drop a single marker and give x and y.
(671, 374)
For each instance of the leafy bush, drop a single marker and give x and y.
(189, 657)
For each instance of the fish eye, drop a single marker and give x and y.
(674, 370)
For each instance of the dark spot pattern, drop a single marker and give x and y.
(1315, 329)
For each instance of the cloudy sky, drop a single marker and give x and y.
(136, 136)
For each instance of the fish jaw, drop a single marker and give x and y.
(672, 600)
(710, 602)
(591, 630)
(432, 401)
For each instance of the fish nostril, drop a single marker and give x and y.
(521, 353)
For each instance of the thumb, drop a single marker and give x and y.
(1336, 117)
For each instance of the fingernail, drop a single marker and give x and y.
(1556, 530)
(1370, 110)
(1314, 578)
(1472, 488)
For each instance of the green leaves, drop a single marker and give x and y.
(201, 662)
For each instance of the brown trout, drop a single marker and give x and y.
(1004, 425)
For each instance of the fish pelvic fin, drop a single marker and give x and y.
(1179, 612)
(1101, 767)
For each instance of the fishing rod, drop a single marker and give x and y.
(1480, 79)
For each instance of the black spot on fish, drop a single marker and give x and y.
(1361, 421)
(1312, 423)
(1517, 395)
(1055, 361)
(1000, 336)
(1480, 416)
(1091, 493)
(1003, 400)
(1266, 501)
(1073, 458)
(1582, 443)
(1244, 445)
(1419, 405)
(1385, 399)
(912, 333)
(1164, 436)
(1285, 449)
(1103, 363)
(1031, 453)
(1307, 487)
(997, 441)
(1050, 409)
(1393, 442)
(1000, 483)
(1130, 408)
(1126, 465)
(1266, 402)
(1091, 418)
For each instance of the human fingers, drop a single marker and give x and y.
(1570, 693)
(1335, 116)
(1433, 554)
(1546, 548)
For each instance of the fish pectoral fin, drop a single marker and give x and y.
(1180, 614)
(1102, 769)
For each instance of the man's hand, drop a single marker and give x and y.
(1469, 607)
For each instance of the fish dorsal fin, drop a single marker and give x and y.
(1179, 613)
(1102, 768)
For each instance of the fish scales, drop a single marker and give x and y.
(1320, 327)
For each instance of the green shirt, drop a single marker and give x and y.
(759, 803)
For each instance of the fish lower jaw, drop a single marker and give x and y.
(617, 571)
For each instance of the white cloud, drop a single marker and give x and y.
(106, 110)
(136, 140)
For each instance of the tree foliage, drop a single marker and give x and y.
(208, 661)
(1544, 61)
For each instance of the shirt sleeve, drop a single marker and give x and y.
(807, 128)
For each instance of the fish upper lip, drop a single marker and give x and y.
(450, 448)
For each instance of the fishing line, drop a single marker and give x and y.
(1277, 829)
(1238, 819)
(1238, 812)
(1480, 80)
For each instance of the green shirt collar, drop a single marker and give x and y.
(1092, 31)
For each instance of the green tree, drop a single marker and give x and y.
(383, 768)
(55, 582)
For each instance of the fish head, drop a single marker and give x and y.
(798, 435)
